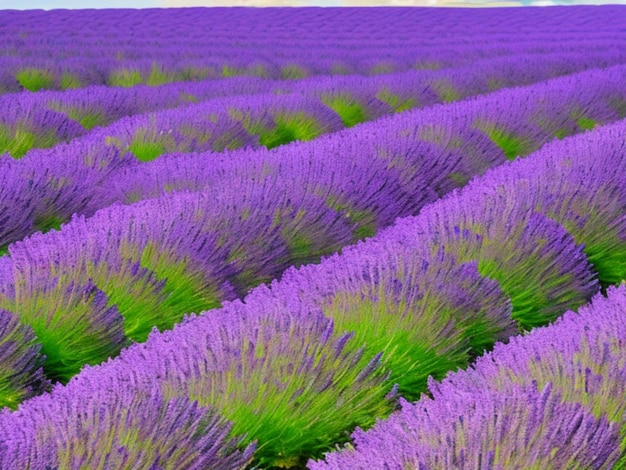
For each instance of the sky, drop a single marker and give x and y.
(76, 4)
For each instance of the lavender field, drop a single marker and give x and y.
(321, 238)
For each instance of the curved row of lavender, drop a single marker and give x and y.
(475, 134)
(551, 399)
(423, 298)
(41, 120)
(47, 187)
(154, 49)
(146, 265)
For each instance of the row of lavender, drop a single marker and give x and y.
(550, 399)
(117, 275)
(274, 43)
(47, 187)
(297, 365)
(19, 74)
(158, 28)
(44, 119)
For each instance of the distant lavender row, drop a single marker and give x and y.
(277, 43)
(190, 32)
(46, 187)
(279, 365)
(34, 74)
(46, 118)
(217, 124)
(552, 398)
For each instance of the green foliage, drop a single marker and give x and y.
(148, 145)
(136, 292)
(301, 249)
(34, 79)
(396, 103)
(513, 146)
(69, 81)
(201, 136)
(561, 133)
(366, 224)
(228, 71)
(417, 337)
(295, 393)
(349, 110)
(585, 123)
(292, 72)
(68, 321)
(158, 76)
(45, 223)
(423, 324)
(258, 71)
(4, 249)
(604, 245)
(248, 275)
(125, 78)
(229, 140)
(445, 90)
(87, 120)
(578, 122)
(19, 361)
(185, 290)
(137, 429)
(609, 262)
(288, 128)
(459, 179)
(17, 141)
(538, 293)
(150, 287)
(571, 378)
(146, 151)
